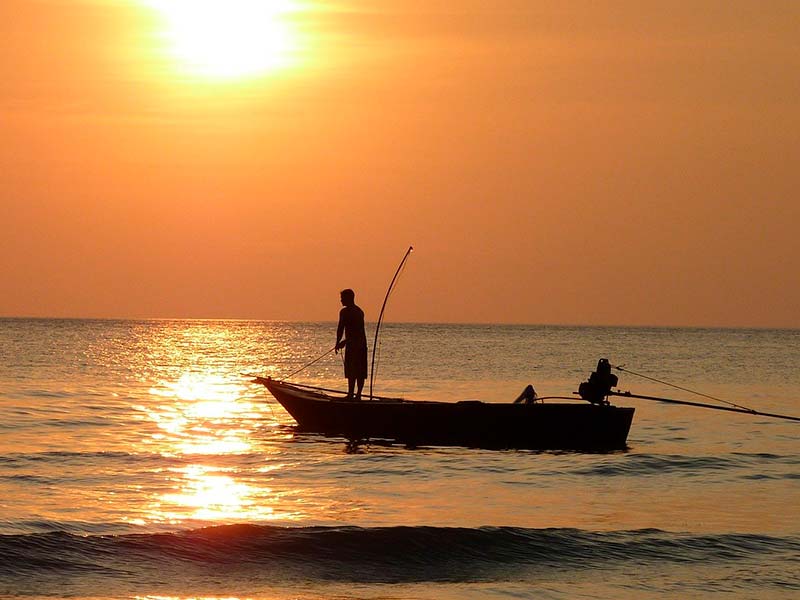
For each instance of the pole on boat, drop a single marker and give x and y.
(599, 387)
(748, 411)
(380, 317)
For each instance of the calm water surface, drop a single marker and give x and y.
(137, 461)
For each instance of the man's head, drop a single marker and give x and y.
(348, 297)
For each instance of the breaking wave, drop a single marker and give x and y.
(371, 555)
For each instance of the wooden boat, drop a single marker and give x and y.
(526, 423)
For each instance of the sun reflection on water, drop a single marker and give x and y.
(188, 598)
(213, 494)
(205, 415)
(208, 417)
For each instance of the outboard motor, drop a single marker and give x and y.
(597, 389)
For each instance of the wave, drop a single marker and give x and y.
(110, 458)
(649, 464)
(686, 466)
(374, 555)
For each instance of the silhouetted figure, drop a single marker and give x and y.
(528, 396)
(351, 325)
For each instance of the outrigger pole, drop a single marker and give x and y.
(380, 317)
(604, 367)
(748, 411)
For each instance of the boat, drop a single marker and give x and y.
(529, 422)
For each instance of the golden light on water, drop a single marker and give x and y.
(204, 416)
(212, 494)
(229, 39)
(188, 598)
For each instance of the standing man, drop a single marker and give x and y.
(351, 324)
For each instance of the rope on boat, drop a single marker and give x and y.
(677, 387)
(731, 406)
(305, 366)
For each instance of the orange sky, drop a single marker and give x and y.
(629, 162)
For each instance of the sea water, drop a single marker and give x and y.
(137, 460)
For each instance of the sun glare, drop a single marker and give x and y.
(229, 39)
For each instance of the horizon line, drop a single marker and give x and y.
(402, 322)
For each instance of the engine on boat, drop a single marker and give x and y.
(600, 382)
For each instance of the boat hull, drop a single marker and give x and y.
(545, 426)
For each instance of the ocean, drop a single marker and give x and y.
(137, 460)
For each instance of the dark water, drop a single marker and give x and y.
(257, 558)
(137, 461)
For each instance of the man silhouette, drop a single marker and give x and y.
(351, 325)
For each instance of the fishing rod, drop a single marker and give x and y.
(730, 408)
(293, 373)
(305, 366)
(380, 317)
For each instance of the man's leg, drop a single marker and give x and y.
(360, 388)
(351, 384)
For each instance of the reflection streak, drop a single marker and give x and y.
(205, 415)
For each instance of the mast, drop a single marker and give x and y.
(380, 317)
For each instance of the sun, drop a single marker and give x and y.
(229, 39)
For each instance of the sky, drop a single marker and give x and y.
(593, 163)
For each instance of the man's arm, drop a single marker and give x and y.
(340, 330)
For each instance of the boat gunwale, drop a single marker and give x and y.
(323, 394)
